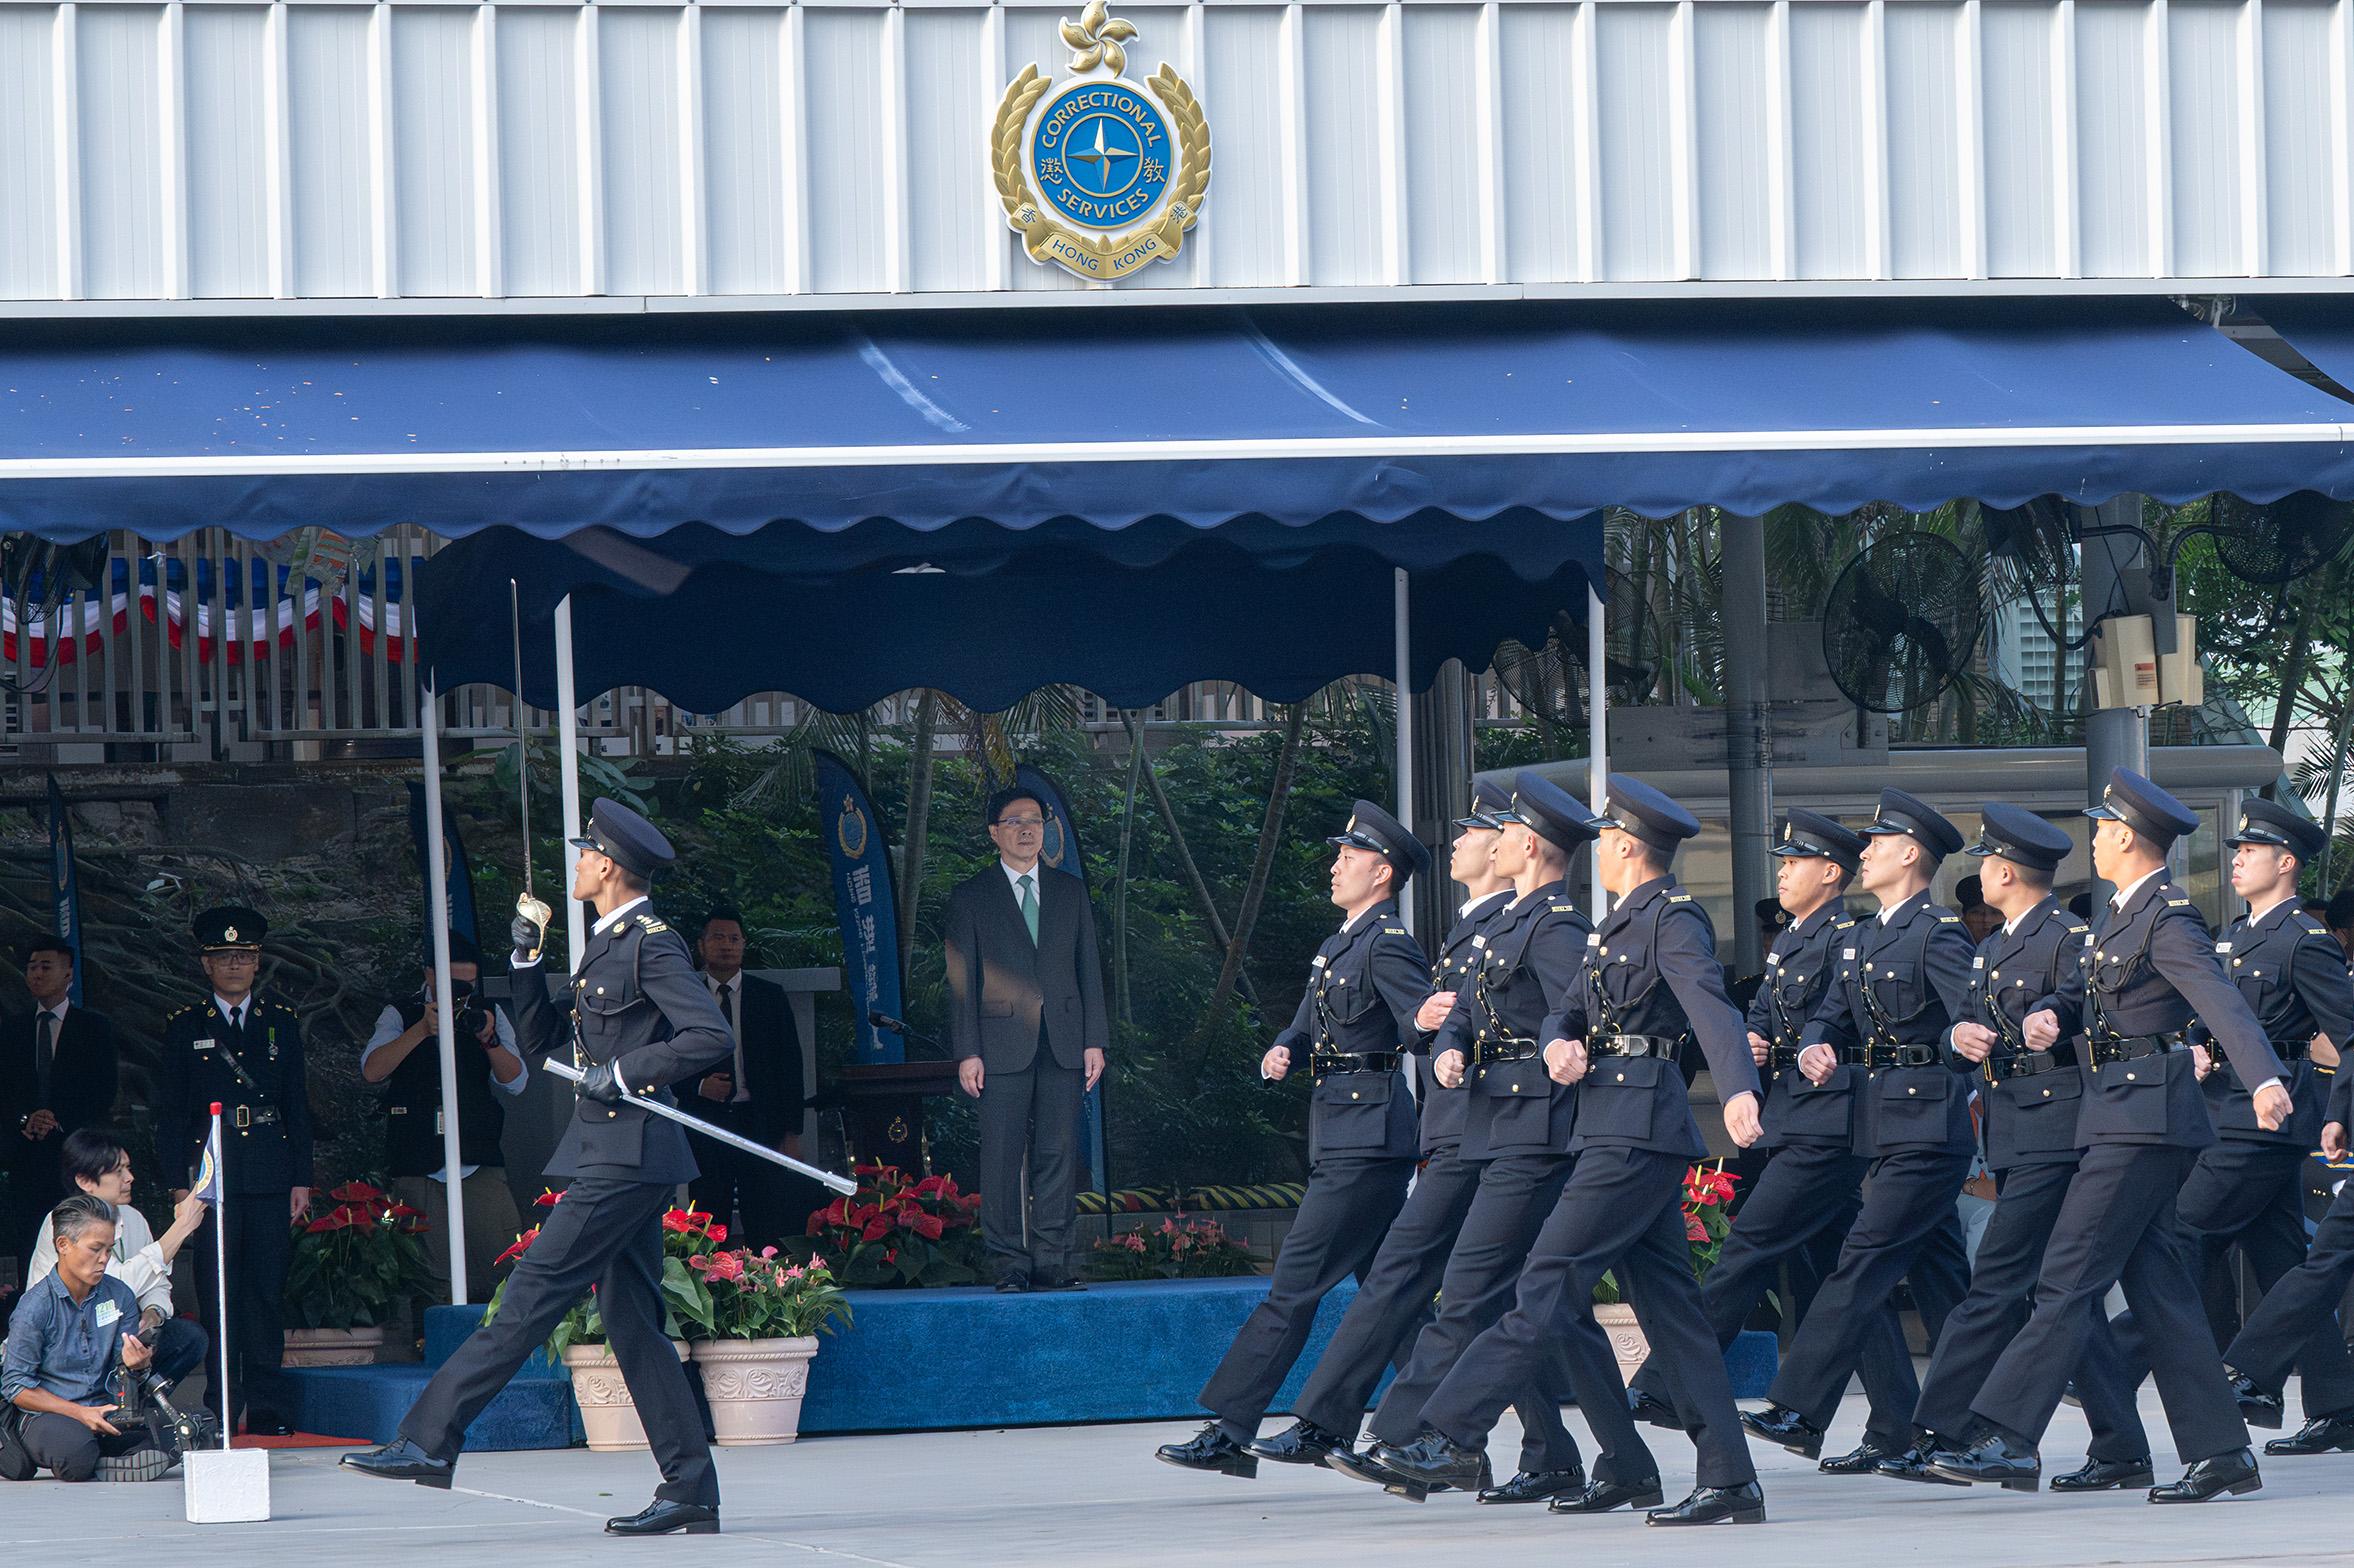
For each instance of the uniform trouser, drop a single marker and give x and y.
(2296, 1324)
(2002, 1288)
(1030, 1126)
(260, 1247)
(1804, 1201)
(1349, 1203)
(1515, 1196)
(1393, 1303)
(607, 1233)
(2251, 1195)
(1909, 1199)
(2117, 1225)
(492, 1224)
(1621, 1211)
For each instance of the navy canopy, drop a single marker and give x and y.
(2318, 326)
(1015, 417)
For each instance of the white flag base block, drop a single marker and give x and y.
(226, 1486)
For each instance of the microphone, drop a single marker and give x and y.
(899, 1026)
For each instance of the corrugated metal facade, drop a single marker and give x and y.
(744, 153)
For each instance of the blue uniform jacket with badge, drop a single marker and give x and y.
(1798, 970)
(2029, 1100)
(1651, 975)
(1899, 985)
(1453, 970)
(635, 1001)
(1365, 985)
(2151, 973)
(1528, 952)
(256, 1074)
(2293, 974)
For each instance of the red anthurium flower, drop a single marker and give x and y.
(929, 1227)
(726, 1266)
(1694, 1230)
(522, 1245)
(547, 1199)
(335, 1219)
(930, 1185)
(876, 1229)
(356, 1192)
(717, 1233)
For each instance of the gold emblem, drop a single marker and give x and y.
(1100, 175)
(229, 934)
(850, 828)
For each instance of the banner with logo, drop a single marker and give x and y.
(1062, 853)
(65, 892)
(868, 914)
(460, 875)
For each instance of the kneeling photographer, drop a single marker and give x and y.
(98, 1165)
(69, 1349)
(404, 1056)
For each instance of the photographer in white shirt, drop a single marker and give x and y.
(98, 1164)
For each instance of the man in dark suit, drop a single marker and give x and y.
(639, 1019)
(57, 1076)
(1026, 1020)
(757, 1094)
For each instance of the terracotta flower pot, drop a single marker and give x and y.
(1626, 1337)
(755, 1387)
(608, 1415)
(334, 1347)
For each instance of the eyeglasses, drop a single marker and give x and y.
(1022, 824)
(235, 959)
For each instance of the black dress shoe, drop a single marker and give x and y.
(1600, 1497)
(1210, 1450)
(666, 1518)
(1707, 1504)
(1785, 1428)
(266, 1424)
(2259, 1406)
(1432, 1463)
(1301, 1443)
(1862, 1459)
(1912, 1464)
(1535, 1486)
(1012, 1284)
(2105, 1475)
(402, 1460)
(1991, 1458)
(2233, 1472)
(1360, 1464)
(2321, 1435)
(1057, 1282)
(1654, 1411)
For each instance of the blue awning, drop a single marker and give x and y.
(1017, 416)
(2318, 326)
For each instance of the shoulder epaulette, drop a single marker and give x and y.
(183, 1012)
(2077, 928)
(1564, 909)
(649, 923)
(1949, 920)
(1679, 898)
(1843, 922)
(1393, 930)
(2312, 926)
(2178, 903)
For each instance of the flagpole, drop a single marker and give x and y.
(437, 905)
(221, 1273)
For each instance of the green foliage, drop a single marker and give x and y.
(358, 1264)
(897, 1232)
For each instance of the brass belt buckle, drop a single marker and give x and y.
(243, 1117)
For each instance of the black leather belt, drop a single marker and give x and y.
(1632, 1045)
(2135, 1047)
(1894, 1055)
(2291, 1050)
(1486, 1051)
(1780, 1058)
(2024, 1064)
(1356, 1061)
(251, 1116)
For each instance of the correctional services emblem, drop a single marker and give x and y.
(850, 828)
(1099, 174)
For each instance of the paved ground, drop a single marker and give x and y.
(1094, 1495)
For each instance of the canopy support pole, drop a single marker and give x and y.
(1749, 753)
(568, 760)
(437, 907)
(1597, 730)
(1401, 612)
(2113, 737)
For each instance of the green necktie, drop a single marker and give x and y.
(1029, 907)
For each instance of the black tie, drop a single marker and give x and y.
(727, 1004)
(44, 1053)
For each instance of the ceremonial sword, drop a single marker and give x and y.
(841, 1184)
(531, 908)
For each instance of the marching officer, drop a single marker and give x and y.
(1355, 1028)
(245, 1053)
(1901, 980)
(2023, 1028)
(639, 1019)
(1650, 983)
(1394, 1299)
(1801, 1205)
(2151, 974)
(1517, 1123)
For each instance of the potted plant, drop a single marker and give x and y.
(895, 1232)
(1180, 1249)
(759, 1321)
(608, 1415)
(352, 1275)
(1708, 1192)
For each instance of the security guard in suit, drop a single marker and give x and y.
(1356, 1027)
(1898, 986)
(639, 1019)
(2296, 1324)
(2023, 1029)
(1649, 985)
(1517, 1128)
(1394, 1301)
(244, 1052)
(2150, 975)
(1799, 1208)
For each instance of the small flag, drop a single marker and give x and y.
(208, 1165)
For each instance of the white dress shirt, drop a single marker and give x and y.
(389, 1028)
(729, 994)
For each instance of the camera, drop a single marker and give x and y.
(467, 1014)
(143, 1399)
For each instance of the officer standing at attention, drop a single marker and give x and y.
(1650, 983)
(1903, 977)
(2151, 975)
(2023, 1028)
(1517, 1124)
(639, 1019)
(1808, 1194)
(245, 1053)
(1354, 1028)
(1394, 1300)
